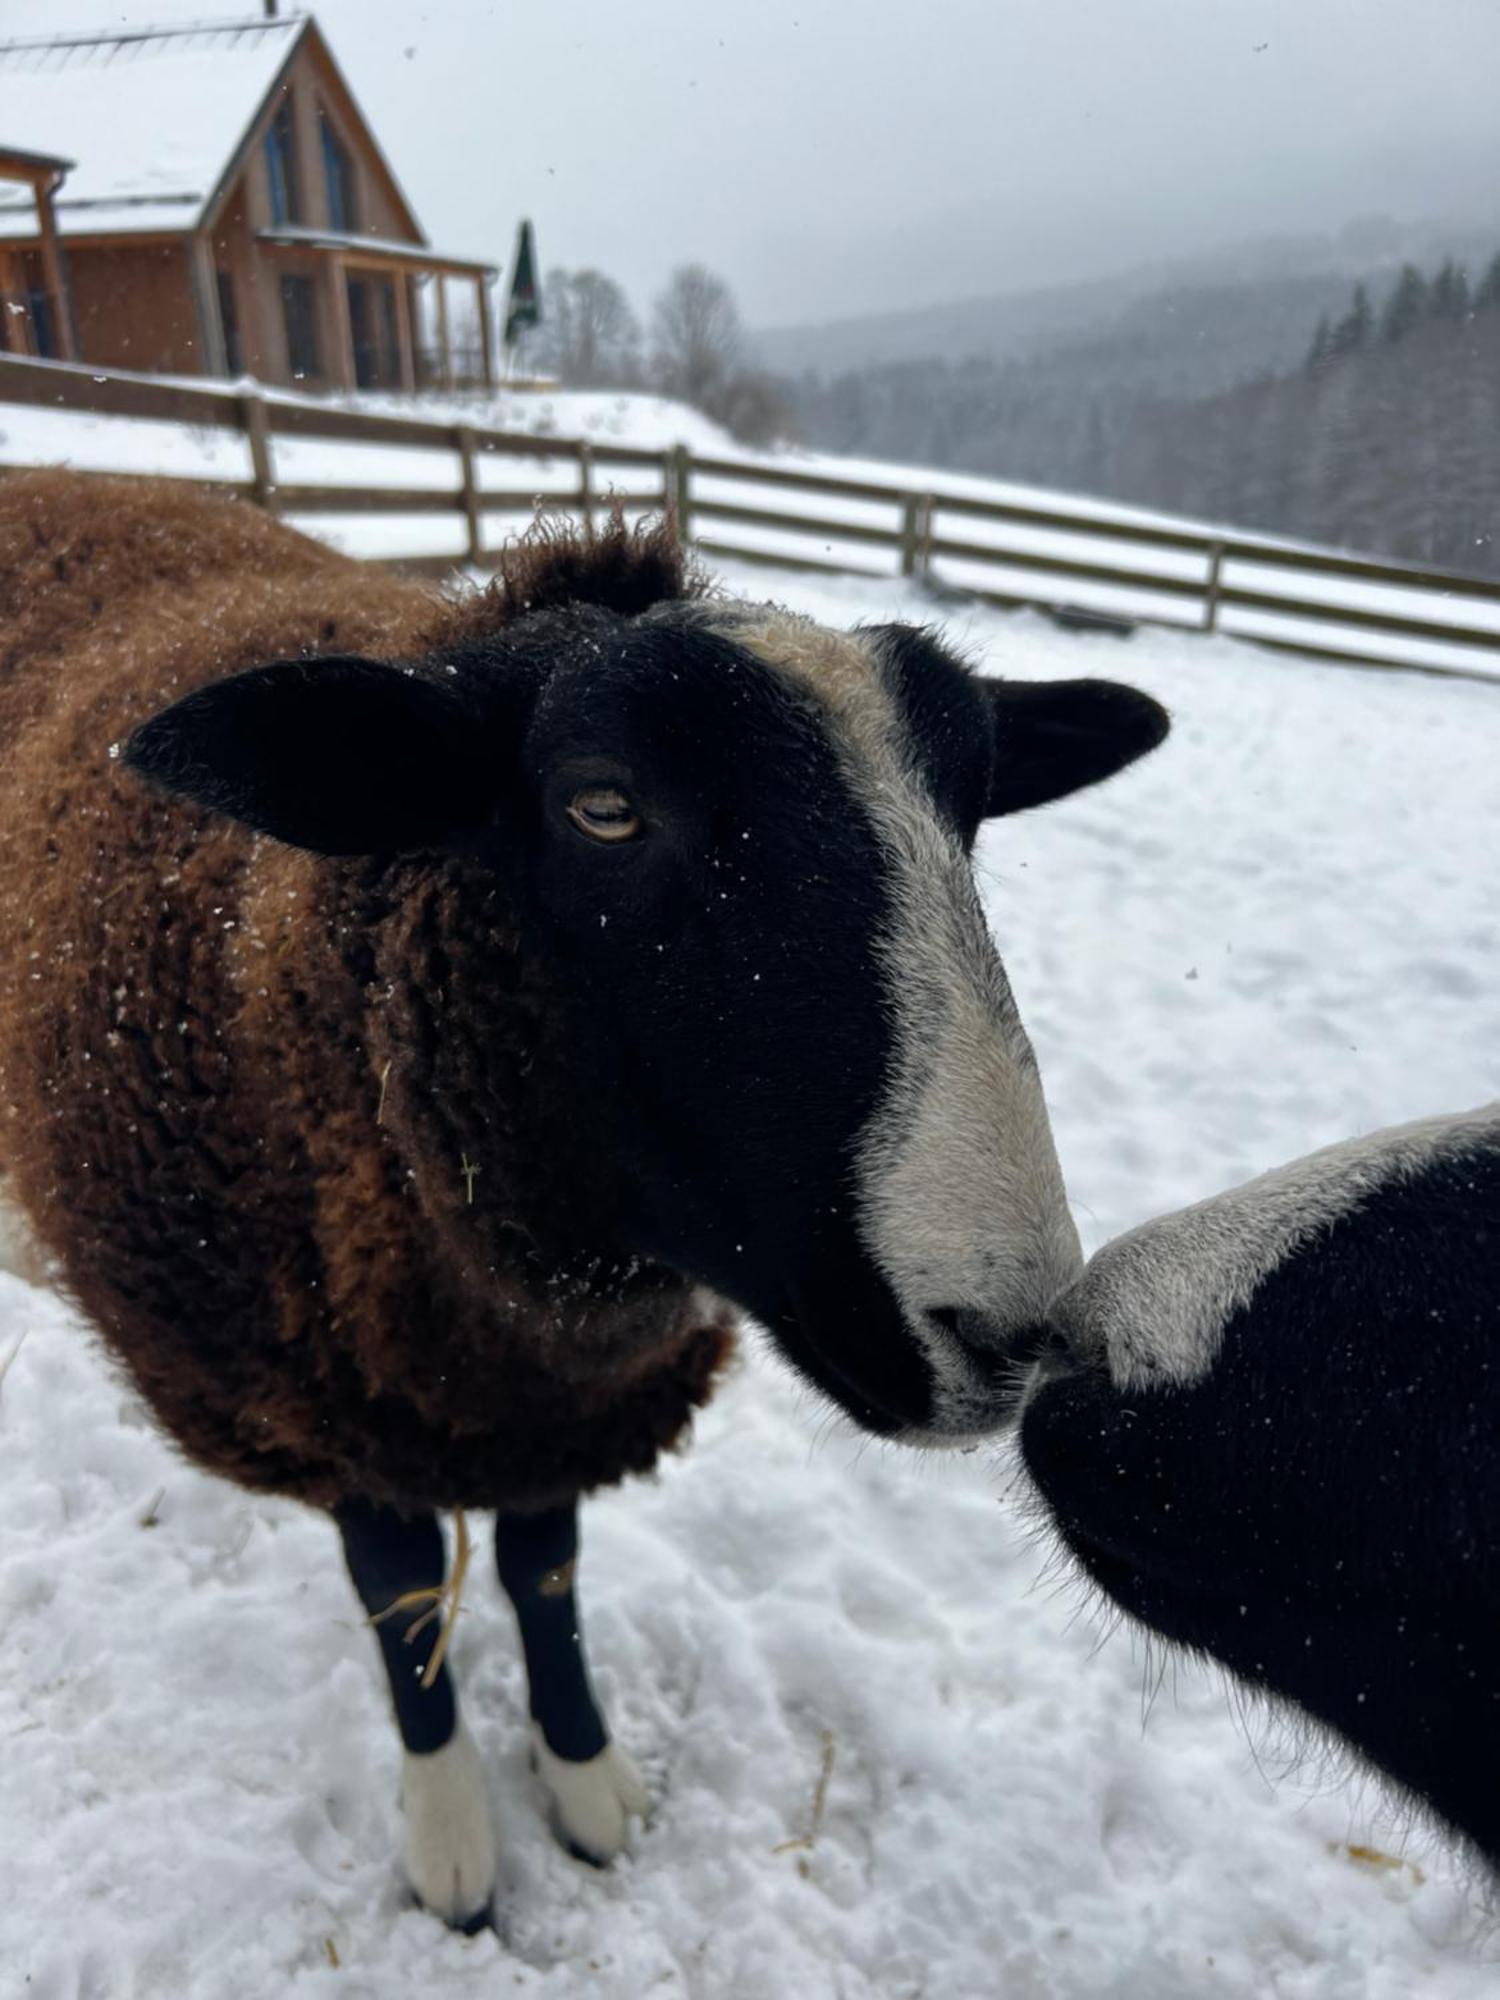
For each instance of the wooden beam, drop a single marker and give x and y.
(486, 331)
(445, 351)
(342, 373)
(463, 437)
(205, 284)
(406, 357)
(253, 415)
(60, 388)
(54, 271)
(370, 499)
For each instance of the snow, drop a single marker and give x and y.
(150, 121)
(1281, 930)
(648, 426)
(397, 249)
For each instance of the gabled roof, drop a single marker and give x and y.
(156, 119)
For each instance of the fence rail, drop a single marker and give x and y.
(1082, 562)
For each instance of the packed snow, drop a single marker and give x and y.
(1282, 929)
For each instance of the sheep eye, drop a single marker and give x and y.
(603, 813)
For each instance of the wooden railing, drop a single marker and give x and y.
(1082, 562)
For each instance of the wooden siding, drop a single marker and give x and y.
(160, 333)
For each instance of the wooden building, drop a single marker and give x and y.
(211, 200)
(34, 312)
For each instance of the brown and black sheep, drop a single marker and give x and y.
(407, 1046)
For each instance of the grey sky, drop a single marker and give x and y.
(835, 158)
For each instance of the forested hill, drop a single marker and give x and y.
(1384, 437)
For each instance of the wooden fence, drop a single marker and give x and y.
(1081, 562)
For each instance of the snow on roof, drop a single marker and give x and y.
(398, 249)
(152, 116)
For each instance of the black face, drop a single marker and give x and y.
(693, 862)
(709, 888)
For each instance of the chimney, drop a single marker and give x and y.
(270, 7)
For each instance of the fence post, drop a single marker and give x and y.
(910, 518)
(1214, 586)
(586, 483)
(252, 409)
(463, 438)
(680, 460)
(916, 534)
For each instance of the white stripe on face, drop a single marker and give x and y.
(961, 1201)
(1154, 1303)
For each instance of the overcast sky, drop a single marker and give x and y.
(840, 156)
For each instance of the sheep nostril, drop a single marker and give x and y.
(987, 1341)
(971, 1330)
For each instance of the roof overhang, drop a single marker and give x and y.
(375, 252)
(19, 165)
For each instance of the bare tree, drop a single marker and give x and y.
(696, 339)
(589, 338)
(697, 354)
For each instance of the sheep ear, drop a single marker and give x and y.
(1056, 737)
(340, 756)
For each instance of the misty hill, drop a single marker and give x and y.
(1385, 442)
(1216, 317)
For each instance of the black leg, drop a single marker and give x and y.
(450, 1837)
(389, 1555)
(591, 1784)
(537, 1555)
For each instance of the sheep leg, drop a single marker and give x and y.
(450, 1838)
(591, 1784)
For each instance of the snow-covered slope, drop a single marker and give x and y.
(1027, 551)
(1282, 929)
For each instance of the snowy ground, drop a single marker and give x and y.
(37, 435)
(1283, 929)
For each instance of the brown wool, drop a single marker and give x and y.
(320, 1214)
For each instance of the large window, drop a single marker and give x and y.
(338, 175)
(281, 168)
(299, 311)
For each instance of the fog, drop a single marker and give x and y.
(832, 159)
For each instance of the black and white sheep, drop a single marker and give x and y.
(1269, 1428)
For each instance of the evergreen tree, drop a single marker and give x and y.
(1408, 305)
(1352, 334)
(1488, 295)
(1450, 292)
(1322, 339)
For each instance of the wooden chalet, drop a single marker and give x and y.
(211, 200)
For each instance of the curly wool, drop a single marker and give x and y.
(296, 1130)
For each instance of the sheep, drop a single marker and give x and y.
(1267, 1429)
(426, 1022)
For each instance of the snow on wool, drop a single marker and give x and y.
(1280, 931)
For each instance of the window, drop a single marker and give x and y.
(40, 307)
(44, 325)
(229, 320)
(338, 175)
(299, 311)
(281, 169)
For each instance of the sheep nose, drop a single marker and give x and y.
(988, 1341)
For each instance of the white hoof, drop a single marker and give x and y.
(593, 1802)
(451, 1857)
